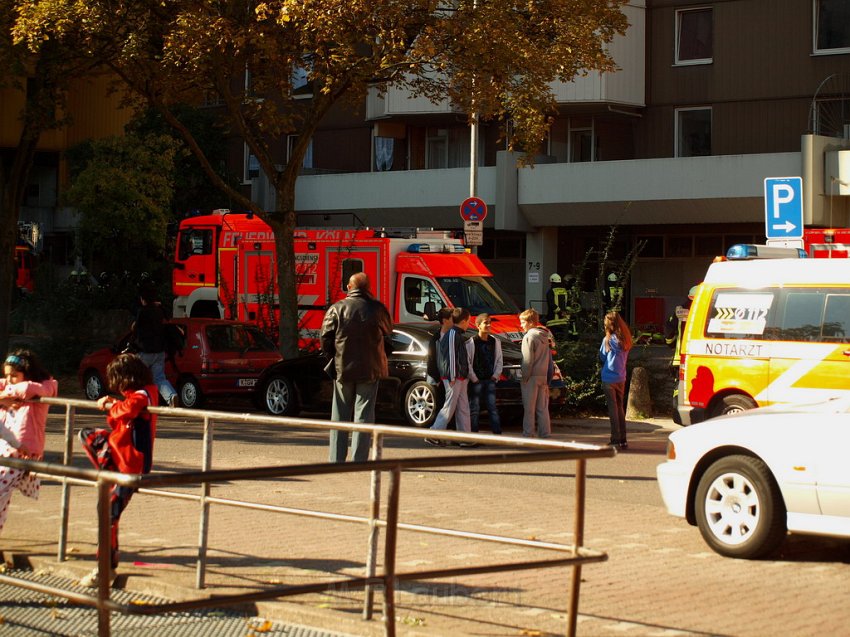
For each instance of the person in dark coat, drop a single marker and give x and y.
(354, 333)
(149, 336)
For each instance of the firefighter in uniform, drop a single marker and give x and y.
(614, 294)
(673, 330)
(565, 322)
(556, 298)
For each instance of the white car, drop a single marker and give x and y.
(748, 478)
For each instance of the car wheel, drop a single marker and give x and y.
(419, 405)
(732, 404)
(191, 396)
(739, 508)
(93, 385)
(279, 398)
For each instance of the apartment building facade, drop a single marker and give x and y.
(711, 98)
(672, 150)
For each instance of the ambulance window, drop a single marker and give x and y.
(194, 242)
(801, 316)
(349, 267)
(836, 318)
(741, 314)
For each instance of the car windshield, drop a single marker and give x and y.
(231, 338)
(478, 294)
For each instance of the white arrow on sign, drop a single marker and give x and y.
(787, 226)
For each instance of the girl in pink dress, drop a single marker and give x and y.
(22, 423)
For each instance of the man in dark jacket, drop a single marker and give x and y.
(353, 337)
(149, 336)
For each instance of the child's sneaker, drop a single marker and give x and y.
(90, 580)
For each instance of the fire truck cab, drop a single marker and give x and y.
(225, 268)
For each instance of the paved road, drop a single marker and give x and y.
(660, 579)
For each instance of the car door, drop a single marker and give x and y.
(406, 360)
(833, 468)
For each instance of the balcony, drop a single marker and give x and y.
(623, 87)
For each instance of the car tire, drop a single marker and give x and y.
(93, 385)
(419, 405)
(191, 396)
(739, 508)
(732, 404)
(279, 397)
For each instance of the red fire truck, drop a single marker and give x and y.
(225, 267)
(827, 243)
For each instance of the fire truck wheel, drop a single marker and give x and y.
(191, 396)
(93, 385)
(279, 398)
(420, 404)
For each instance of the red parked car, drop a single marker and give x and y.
(212, 357)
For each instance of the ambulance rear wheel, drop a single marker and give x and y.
(732, 404)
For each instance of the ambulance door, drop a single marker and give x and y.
(344, 262)
(811, 360)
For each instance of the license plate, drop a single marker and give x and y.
(246, 382)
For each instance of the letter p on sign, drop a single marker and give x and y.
(783, 207)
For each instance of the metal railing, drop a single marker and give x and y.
(524, 450)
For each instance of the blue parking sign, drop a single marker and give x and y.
(783, 207)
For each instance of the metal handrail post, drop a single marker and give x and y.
(65, 498)
(104, 556)
(390, 546)
(581, 479)
(204, 526)
(374, 530)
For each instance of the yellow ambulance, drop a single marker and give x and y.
(763, 331)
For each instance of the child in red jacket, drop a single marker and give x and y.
(127, 446)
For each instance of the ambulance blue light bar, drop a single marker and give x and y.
(743, 251)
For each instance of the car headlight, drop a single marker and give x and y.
(671, 450)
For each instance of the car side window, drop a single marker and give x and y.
(219, 338)
(402, 342)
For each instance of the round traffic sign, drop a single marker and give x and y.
(473, 209)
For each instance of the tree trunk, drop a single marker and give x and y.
(282, 222)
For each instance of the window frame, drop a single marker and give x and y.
(815, 30)
(677, 35)
(677, 129)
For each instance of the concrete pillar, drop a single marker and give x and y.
(541, 260)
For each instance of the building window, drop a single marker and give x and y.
(693, 132)
(302, 87)
(437, 150)
(694, 37)
(251, 169)
(291, 140)
(582, 145)
(832, 25)
(384, 147)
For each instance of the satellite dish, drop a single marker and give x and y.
(829, 111)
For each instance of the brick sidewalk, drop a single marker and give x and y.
(658, 566)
